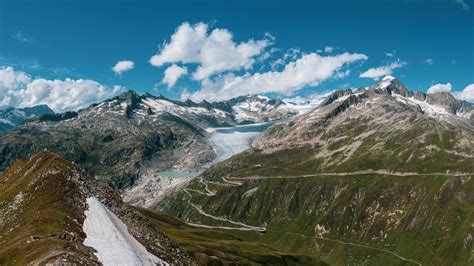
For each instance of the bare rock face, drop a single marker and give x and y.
(449, 103)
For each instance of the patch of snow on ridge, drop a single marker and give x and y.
(303, 105)
(4, 121)
(109, 236)
(384, 82)
(429, 109)
(162, 106)
(343, 98)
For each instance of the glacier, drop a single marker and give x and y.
(228, 141)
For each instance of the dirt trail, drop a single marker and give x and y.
(242, 226)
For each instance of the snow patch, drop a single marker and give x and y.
(109, 236)
(384, 83)
(5, 121)
(429, 109)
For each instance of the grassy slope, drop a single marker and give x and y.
(211, 246)
(436, 218)
(425, 218)
(33, 204)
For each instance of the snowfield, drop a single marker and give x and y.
(109, 236)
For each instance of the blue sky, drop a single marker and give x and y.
(430, 41)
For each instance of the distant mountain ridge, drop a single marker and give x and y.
(382, 113)
(257, 109)
(119, 137)
(444, 100)
(12, 117)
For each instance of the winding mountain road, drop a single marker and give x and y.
(364, 172)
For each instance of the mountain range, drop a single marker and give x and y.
(12, 117)
(378, 175)
(381, 175)
(119, 138)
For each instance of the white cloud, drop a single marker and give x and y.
(390, 54)
(9, 78)
(440, 88)
(309, 70)
(328, 49)
(173, 73)
(277, 63)
(214, 52)
(18, 89)
(123, 66)
(290, 54)
(428, 61)
(378, 72)
(467, 94)
(463, 4)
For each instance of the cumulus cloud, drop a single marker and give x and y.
(308, 70)
(214, 51)
(289, 55)
(467, 94)
(440, 88)
(173, 73)
(378, 72)
(123, 66)
(18, 89)
(9, 78)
